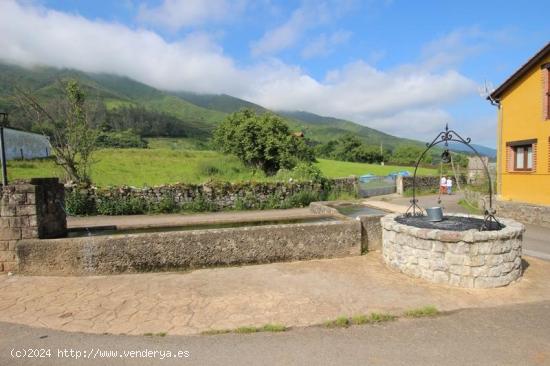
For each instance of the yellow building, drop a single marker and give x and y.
(523, 162)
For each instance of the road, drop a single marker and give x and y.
(509, 335)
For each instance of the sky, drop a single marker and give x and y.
(404, 67)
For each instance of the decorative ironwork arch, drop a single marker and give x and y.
(445, 136)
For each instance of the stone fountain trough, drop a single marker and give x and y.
(454, 251)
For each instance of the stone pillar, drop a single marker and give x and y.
(399, 185)
(30, 209)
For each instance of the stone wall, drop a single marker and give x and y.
(525, 212)
(371, 232)
(424, 182)
(473, 259)
(180, 250)
(217, 195)
(29, 209)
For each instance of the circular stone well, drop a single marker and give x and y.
(463, 258)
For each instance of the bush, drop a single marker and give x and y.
(121, 139)
(167, 204)
(120, 205)
(408, 155)
(303, 198)
(79, 203)
(199, 204)
(306, 172)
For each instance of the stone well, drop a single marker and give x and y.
(470, 258)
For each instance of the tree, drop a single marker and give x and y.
(263, 142)
(408, 155)
(66, 119)
(350, 148)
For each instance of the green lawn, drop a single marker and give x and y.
(169, 162)
(333, 168)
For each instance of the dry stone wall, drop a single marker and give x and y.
(424, 182)
(214, 195)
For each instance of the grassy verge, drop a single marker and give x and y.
(160, 334)
(372, 318)
(340, 322)
(423, 312)
(248, 329)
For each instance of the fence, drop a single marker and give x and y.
(376, 186)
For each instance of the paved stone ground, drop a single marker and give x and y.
(293, 294)
(508, 335)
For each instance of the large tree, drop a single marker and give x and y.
(67, 119)
(263, 141)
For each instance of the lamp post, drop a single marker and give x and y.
(3, 121)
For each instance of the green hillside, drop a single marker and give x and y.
(114, 91)
(219, 102)
(326, 128)
(315, 127)
(196, 113)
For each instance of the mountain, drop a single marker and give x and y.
(323, 128)
(482, 150)
(196, 113)
(219, 102)
(114, 91)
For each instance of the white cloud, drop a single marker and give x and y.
(408, 100)
(176, 14)
(35, 36)
(307, 16)
(282, 36)
(453, 48)
(359, 92)
(324, 44)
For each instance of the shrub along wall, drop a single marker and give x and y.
(211, 196)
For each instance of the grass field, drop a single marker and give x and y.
(333, 168)
(169, 161)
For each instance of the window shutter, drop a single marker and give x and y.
(546, 92)
(534, 157)
(509, 158)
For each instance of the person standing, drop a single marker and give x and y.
(449, 184)
(443, 185)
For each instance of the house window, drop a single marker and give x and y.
(522, 156)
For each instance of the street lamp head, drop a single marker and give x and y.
(3, 117)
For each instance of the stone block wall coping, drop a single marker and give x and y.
(512, 229)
